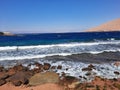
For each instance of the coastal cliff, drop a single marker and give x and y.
(109, 26)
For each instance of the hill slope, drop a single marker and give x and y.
(109, 26)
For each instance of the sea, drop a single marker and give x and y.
(71, 50)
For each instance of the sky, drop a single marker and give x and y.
(53, 16)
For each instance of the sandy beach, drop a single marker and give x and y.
(40, 87)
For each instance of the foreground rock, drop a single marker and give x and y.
(19, 78)
(42, 78)
(2, 82)
(69, 82)
(46, 66)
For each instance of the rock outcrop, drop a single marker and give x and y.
(42, 78)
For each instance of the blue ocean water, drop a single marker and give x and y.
(25, 46)
(56, 38)
(73, 51)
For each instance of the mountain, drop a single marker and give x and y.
(109, 26)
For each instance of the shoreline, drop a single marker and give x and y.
(19, 75)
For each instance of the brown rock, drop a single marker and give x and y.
(53, 67)
(20, 68)
(68, 79)
(59, 67)
(40, 66)
(37, 70)
(46, 66)
(91, 66)
(87, 69)
(11, 71)
(16, 83)
(42, 78)
(3, 75)
(19, 78)
(1, 68)
(2, 82)
(63, 74)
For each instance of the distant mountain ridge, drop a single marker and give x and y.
(109, 26)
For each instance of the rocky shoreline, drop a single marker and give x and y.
(46, 73)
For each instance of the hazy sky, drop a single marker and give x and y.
(27, 16)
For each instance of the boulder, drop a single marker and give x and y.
(46, 66)
(16, 83)
(1, 68)
(53, 67)
(36, 67)
(63, 74)
(68, 79)
(17, 68)
(87, 69)
(42, 78)
(11, 71)
(40, 66)
(19, 78)
(2, 82)
(20, 68)
(3, 75)
(59, 67)
(91, 66)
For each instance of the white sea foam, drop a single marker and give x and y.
(32, 56)
(60, 45)
(40, 51)
(75, 69)
(25, 57)
(104, 70)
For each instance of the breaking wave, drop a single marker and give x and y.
(40, 51)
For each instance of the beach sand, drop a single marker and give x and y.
(48, 86)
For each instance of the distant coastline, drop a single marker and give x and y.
(6, 34)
